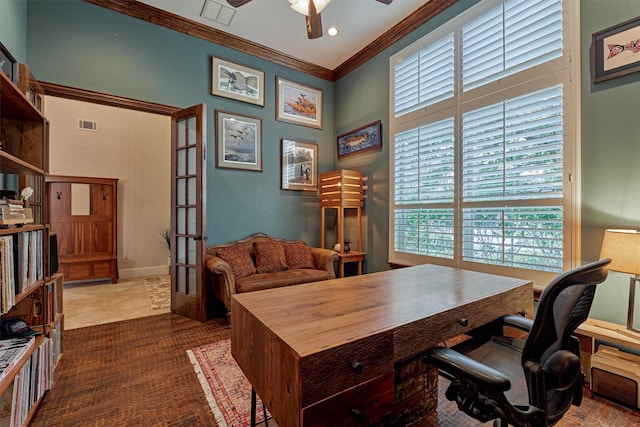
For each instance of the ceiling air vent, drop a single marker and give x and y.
(88, 125)
(217, 12)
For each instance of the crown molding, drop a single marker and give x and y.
(60, 91)
(169, 20)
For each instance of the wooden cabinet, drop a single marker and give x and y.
(29, 294)
(82, 212)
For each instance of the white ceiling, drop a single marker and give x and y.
(272, 23)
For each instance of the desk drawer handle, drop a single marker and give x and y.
(463, 321)
(357, 367)
(357, 414)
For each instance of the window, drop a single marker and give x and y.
(483, 174)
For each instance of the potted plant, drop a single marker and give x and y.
(165, 233)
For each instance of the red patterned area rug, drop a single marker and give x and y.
(227, 389)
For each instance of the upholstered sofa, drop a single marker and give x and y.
(261, 262)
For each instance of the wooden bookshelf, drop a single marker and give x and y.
(35, 296)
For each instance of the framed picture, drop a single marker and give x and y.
(299, 165)
(8, 64)
(615, 51)
(298, 104)
(237, 82)
(362, 139)
(238, 141)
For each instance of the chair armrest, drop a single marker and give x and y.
(323, 259)
(459, 365)
(517, 321)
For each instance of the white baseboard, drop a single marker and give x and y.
(128, 273)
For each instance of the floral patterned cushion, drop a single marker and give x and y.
(298, 255)
(269, 257)
(239, 258)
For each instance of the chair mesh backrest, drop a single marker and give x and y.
(563, 306)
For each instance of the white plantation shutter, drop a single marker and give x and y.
(426, 77)
(511, 38)
(480, 178)
(514, 150)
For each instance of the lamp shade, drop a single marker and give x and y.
(623, 247)
(341, 189)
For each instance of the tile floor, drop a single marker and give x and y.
(95, 303)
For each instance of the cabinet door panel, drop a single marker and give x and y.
(59, 201)
(102, 244)
(102, 200)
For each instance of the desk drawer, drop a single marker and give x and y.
(358, 406)
(426, 333)
(331, 371)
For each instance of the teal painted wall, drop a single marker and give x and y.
(13, 28)
(81, 45)
(610, 153)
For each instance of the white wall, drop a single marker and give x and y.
(134, 147)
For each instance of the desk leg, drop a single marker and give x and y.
(341, 268)
(587, 349)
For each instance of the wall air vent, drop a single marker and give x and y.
(88, 125)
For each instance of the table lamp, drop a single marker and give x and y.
(623, 247)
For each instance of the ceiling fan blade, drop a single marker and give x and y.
(385, 1)
(237, 3)
(314, 22)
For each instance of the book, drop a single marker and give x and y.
(11, 351)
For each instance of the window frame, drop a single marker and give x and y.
(564, 70)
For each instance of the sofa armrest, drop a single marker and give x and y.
(323, 259)
(225, 283)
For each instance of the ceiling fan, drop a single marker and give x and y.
(312, 14)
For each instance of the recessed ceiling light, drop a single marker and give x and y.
(332, 31)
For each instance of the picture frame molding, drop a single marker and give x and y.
(377, 143)
(286, 91)
(287, 166)
(599, 51)
(222, 139)
(216, 79)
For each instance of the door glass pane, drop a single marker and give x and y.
(181, 279)
(180, 227)
(192, 281)
(180, 124)
(192, 161)
(181, 255)
(192, 191)
(180, 162)
(192, 252)
(191, 124)
(181, 197)
(191, 225)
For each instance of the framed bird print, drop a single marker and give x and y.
(238, 141)
(237, 82)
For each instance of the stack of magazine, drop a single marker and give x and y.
(11, 351)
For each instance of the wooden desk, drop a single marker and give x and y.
(322, 352)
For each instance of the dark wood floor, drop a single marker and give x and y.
(136, 373)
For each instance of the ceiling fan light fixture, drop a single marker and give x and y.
(302, 6)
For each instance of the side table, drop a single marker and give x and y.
(351, 256)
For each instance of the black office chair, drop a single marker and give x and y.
(495, 378)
